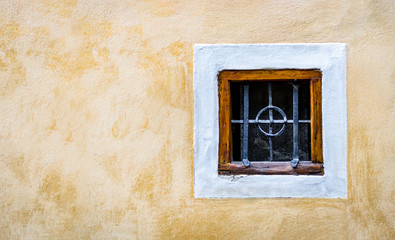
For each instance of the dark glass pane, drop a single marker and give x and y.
(304, 142)
(258, 143)
(304, 101)
(237, 142)
(236, 95)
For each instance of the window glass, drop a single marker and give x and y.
(258, 143)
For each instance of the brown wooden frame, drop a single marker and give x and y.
(225, 164)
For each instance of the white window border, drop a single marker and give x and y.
(210, 59)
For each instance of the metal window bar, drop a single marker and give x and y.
(269, 86)
(244, 108)
(295, 95)
(246, 96)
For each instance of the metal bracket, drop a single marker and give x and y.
(294, 162)
(246, 162)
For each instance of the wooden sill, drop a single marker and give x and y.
(271, 168)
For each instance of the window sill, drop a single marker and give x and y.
(272, 168)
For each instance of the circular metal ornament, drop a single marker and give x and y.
(283, 122)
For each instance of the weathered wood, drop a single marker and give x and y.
(272, 168)
(225, 133)
(316, 119)
(225, 164)
(273, 75)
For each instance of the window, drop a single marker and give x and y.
(270, 122)
(224, 74)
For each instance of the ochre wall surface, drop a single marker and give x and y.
(96, 119)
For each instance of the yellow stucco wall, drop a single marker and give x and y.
(96, 119)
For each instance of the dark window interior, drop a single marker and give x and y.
(258, 143)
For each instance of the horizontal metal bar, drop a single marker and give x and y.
(268, 121)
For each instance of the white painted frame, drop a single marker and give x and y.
(210, 59)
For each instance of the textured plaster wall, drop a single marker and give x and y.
(96, 119)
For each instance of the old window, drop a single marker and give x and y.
(267, 79)
(270, 122)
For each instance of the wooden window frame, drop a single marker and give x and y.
(226, 166)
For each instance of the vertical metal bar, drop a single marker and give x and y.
(295, 159)
(241, 116)
(269, 86)
(245, 160)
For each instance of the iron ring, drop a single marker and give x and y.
(283, 122)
